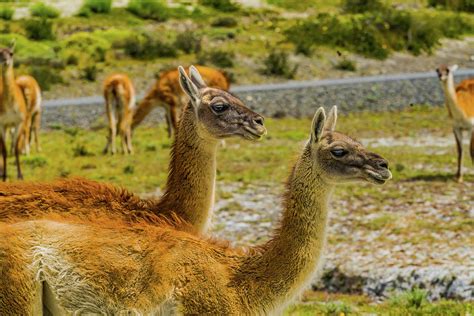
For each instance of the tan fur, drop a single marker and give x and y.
(107, 266)
(460, 105)
(167, 93)
(32, 94)
(189, 191)
(13, 113)
(119, 95)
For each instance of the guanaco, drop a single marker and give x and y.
(460, 105)
(32, 93)
(211, 115)
(106, 266)
(13, 113)
(119, 95)
(166, 92)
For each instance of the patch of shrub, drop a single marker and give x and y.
(42, 10)
(414, 299)
(346, 64)
(188, 42)
(277, 64)
(89, 73)
(39, 29)
(35, 162)
(6, 12)
(218, 58)
(221, 5)
(361, 6)
(46, 76)
(225, 21)
(96, 6)
(81, 151)
(85, 47)
(146, 47)
(129, 169)
(149, 9)
(458, 5)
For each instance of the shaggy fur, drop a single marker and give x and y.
(109, 267)
(189, 191)
(167, 93)
(32, 93)
(460, 105)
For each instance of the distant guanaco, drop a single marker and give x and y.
(32, 94)
(119, 95)
(167, 93)
(460, 105)
(13, 112)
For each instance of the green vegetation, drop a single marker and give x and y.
(42, 10)
(221, 5)
(346, 64)
(6, 12)
(459, 5)
(145, 46)
(188, 42)
(217, 57)
(277, 64)
(39, 29)
(96, 6)
(361, 6)
(149, 9)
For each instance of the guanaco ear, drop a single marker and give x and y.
(196, 77)
(317, 126)
(330, 124)
(188, 86)
(12, 45)
(453, 68)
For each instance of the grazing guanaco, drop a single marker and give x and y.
(460, 105)
(211, 115)
(32, 93)
(112, 267)
(166, 92)
(13, 112)
(119, 95)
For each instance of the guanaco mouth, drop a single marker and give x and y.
(376, 177)
(253, 133)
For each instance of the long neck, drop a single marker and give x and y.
(144, 107)
(192, 172)
(451, 98)
(8, 84)
(284, 266)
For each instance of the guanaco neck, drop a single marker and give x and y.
(451, 99)
(144, 107)
(284, 266)
(8, 85)
(191, 181)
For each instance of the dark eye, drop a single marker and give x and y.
(219, 107)
(338, 152)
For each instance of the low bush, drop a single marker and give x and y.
(346, 64)
(221, 5)
(458, 5)
(39, 29)
(146, 47)
(6, 12)
(89, 73)
(224, 22)
(217, 57)
(46, 76)
(29, 50)
(277, 64)
(188, 42)
(42, 10)
(361, 6)
(85, 47)
(81, 150)
(149, 9)
(96, 6)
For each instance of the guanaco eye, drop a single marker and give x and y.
(338, 152)
(219, 107)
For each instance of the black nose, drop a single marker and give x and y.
(383, 164)
(258, 120)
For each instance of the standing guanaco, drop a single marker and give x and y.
(167, 93)
(211, 115)
(112, 267)
(460, 105)
(119, 95)
(13, 113)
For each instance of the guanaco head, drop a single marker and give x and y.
(219, 113)
(6, 54)
(444, 71)
(338, 158)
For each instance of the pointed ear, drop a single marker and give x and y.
(196, 77)
(317, 126)
(453, 68)
(12, 45)
(188, 86)
(331, 120)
